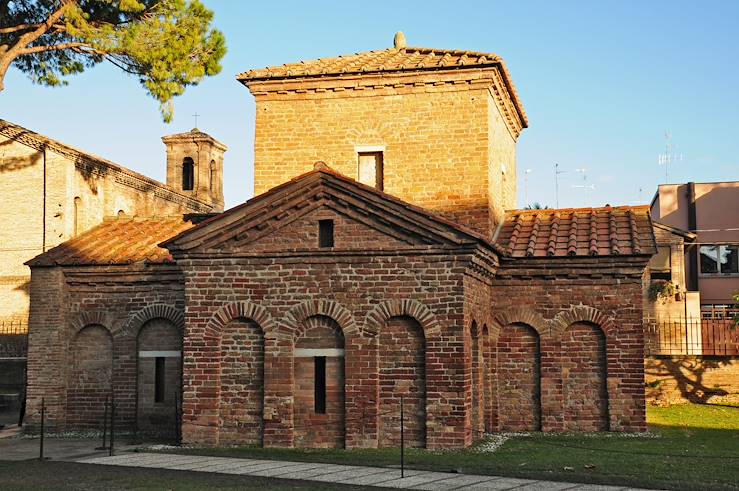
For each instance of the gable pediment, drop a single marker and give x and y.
(286, 219)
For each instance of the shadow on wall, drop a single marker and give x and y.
(671, 379)
(10, 164)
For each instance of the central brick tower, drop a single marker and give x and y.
(437, 128)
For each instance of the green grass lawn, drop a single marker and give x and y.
(690, 447)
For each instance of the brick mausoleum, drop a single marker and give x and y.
(396, 269)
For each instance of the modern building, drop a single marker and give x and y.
(698, 245)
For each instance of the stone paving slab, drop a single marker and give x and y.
(455, 481)
(417, 480)
(342, 474)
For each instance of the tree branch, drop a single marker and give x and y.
(18, 28)
(75, 46)
(42, 28)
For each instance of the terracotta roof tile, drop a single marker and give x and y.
(387, 60)
(122, 240)
(608, 231)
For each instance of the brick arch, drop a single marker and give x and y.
(399, 308)
(520, 315)
(157, 311)
(92, 317)
(581, 313)
(244, 310)
(294, 321)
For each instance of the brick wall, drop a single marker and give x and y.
(443, 146)
(365, 291)
(584, 375)
(519, 375)
(118, 300)
(242, 382)
(90, 377)
(402, 372)
(553, 295)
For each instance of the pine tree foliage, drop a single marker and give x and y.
(167, 44)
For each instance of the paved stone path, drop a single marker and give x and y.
(343, 474)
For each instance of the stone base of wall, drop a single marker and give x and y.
(697, 379)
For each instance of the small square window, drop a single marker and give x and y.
(325, 233)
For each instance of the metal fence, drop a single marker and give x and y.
(694, 336)
(13, 338)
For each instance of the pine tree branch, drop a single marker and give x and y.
(75, 46)
(18, 28)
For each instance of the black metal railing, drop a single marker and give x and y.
(13, 338)
(692, 336)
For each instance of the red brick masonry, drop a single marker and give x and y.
(405, 303)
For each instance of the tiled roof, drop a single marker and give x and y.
(117, 241)
(384, 61)
(608, 231)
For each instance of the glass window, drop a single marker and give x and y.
(729, 259)
(720, 259)
(709, 259)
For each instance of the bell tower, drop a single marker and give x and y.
(195, 166)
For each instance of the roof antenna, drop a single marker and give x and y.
(399, 40)
(670, 156)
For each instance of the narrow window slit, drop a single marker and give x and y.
(325, 233)
(319, 363)
(159, 379)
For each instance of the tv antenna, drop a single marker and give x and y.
(526, 186)
(588, 188)
(670, 156)
(557, 172)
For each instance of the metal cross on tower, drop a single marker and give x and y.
(196, 119)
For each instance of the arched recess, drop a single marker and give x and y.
(241, 404)
(487, 375)
(90, 376)
(159, 376)
(478, 398)
(402, 373)
(519, 378)
(318, 374)
(584, 378)
(241, 329)
(402, 329)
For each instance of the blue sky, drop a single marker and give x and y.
(601, 83)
